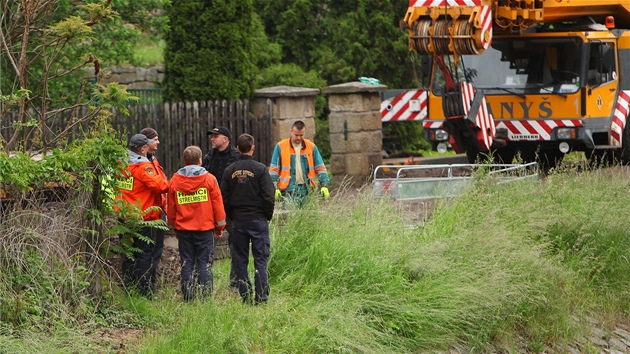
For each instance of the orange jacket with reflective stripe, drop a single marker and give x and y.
(143, 186)
(195, 202)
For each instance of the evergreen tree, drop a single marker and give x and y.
(342, 40)
(209, 50)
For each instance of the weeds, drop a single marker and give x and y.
(506, 267)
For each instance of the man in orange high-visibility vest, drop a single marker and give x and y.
(297, 167)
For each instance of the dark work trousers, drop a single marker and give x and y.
(137, 271)
(256, 232)
(196, 252)
(228, 227)
(158, 248)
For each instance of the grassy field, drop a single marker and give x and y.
(505, 267)
(150, 51)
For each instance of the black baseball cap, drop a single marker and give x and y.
(220, 130)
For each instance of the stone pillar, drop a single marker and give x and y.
(356, 136)
(288, 105)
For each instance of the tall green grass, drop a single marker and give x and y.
(504, 266)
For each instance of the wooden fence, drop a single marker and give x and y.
(178, 125)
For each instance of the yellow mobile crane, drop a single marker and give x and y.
(539, 78)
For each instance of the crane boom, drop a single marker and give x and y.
(463, 27)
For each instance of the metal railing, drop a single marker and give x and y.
(414, 189)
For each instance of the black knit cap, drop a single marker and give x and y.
(220, 130)
(149, 133)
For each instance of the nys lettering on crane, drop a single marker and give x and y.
(201, 195)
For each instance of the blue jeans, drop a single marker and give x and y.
(196, 252)
(256, 232)
(297, 197)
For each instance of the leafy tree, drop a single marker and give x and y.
(145, 15)
(293, 75)
(44, 47)
(47, 44)
(268, 53)
(209, 50)
(342, 40)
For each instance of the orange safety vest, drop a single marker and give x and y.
(285, 162)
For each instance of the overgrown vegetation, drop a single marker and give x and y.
(52, 232)
(506, 267)
(57, 172)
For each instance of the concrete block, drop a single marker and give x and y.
(374, 159)
(337, 164)
(141, 74)
(355, 122)
(376, 141)
(293, 107)
(354, 102)
(339, 145)
(151, 75)
(358, 142)
(357, 164)
(258, 106)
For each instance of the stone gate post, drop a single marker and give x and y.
(288, 105)
(356, 137)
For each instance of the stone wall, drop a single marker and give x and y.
(288, 105)
(133, 77)
(356, 136)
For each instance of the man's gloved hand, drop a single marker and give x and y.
(278, 195)
(325, 193)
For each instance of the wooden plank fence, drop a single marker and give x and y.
(178, 124)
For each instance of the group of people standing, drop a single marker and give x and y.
(225, 190)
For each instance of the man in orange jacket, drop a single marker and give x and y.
(195, 209)
(158, 247)
(142, 186)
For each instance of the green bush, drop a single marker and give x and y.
(209, 51)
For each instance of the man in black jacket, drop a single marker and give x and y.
(248, 198)
(221, 155)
